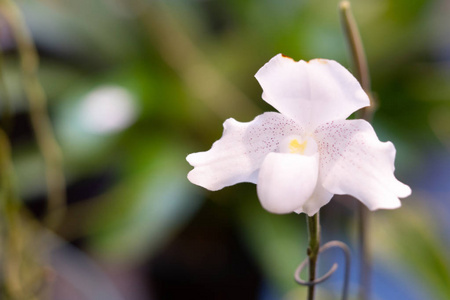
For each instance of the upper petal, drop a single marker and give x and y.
(286, 181)
(239, 153)
(353, 161)
(312, 93)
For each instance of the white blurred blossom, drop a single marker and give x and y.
(107, 109)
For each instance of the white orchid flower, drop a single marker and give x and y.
(308, 151)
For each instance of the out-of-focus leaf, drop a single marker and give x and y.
(409, 239)
(278, 242)
(431, 83)
(30, 172)
(440, 123)
(76, 27)
(57, 79)
(147, 208)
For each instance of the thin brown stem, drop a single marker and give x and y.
(356, 46)
(5, 105)
(12, 238)
(362, 74)
(358, 56)
(23, 264)
(40, 120)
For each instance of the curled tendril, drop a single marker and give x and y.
(329, 245)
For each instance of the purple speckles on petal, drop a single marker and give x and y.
(237, 156)
(354, 161)
(333, 140)
(267, 132)
(341, 140)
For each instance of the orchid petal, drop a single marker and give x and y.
(312, 93)
(238, 155)
(353, 161)
(319, 198)
(286, 181)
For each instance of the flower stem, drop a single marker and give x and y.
(364, 267)
(355, 43)
(313, 250)
(362, 74)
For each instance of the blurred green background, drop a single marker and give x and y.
(134, 86)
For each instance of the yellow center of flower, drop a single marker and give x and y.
(296, 147)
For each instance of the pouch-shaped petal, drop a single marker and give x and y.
(239, 153)
(319, 198)
(312, 93)
(353, 161)
(286, 181)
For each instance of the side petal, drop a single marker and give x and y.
(286, 181)
(319, 198)
(353, 161)
(239, 153)
(312, 93)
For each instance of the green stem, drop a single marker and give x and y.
(362, 74)
(313, 250)
(11, 239)
(355, 43)
(40, 120)
(6, 104)
(364, 267)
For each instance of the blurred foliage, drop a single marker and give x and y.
(412, 243)
(189, 65)
(276, 240)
